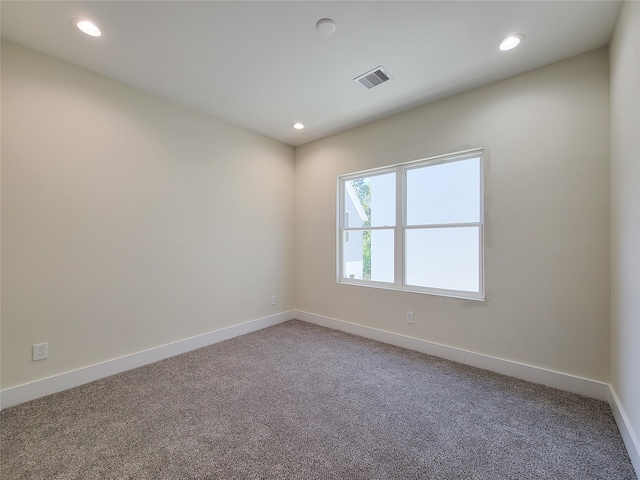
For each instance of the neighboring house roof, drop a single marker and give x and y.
(356, 201)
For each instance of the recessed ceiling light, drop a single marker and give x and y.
(298, 126)
(87, 26)
(512, 41)
(326, 26)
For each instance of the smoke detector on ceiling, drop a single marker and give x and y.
(326, 26)
(374, 77)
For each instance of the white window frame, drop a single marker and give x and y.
(401, 227)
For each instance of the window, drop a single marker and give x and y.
(415, 226)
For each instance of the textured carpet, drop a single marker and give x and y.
(299, 401)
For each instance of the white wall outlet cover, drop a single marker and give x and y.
(40, 351)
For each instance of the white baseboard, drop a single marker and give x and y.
(562, 381)
(571, 383)
(626, 430)
(57, 383)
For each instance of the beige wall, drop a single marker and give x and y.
(625, 213)
(546, 135)
(129, 222)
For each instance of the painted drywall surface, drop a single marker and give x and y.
(546, 135)
(625, 211)
(129, 222)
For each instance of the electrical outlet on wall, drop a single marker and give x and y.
(273, 300)
(409, 317)
(40, 351)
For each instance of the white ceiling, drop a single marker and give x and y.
(262, 65)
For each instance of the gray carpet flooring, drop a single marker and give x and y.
(298, 401)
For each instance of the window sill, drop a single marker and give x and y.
(409, 289)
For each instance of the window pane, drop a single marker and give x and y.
(444, 193)
(370, 201)
(368, 255)
(382, 255)
(445, 258)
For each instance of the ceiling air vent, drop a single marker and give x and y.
(375, 77)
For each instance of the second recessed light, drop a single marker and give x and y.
(510, 42)
(87, 26)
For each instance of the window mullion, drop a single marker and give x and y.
(339, 230)
(373, 229)
(400, 221)
(443, 225)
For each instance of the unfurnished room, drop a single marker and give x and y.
(320, 240)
